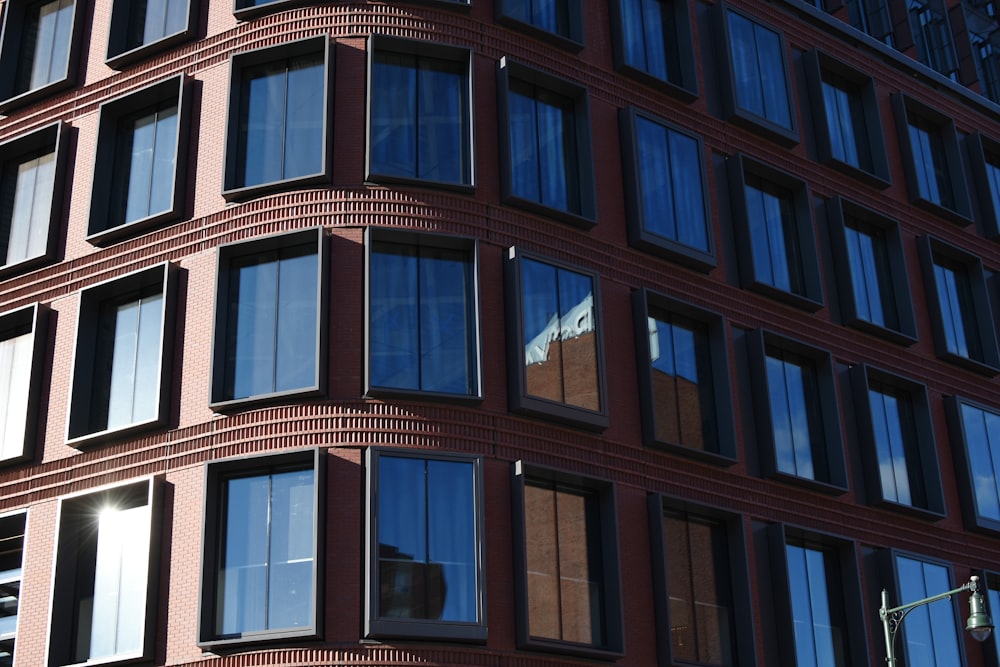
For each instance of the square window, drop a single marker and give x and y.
(975, 432)
(278, 109)
(270, 333)
(653, 42)
(11, 562)
(566, 563)
(666, 190)
(419, 112)
(106, 575)
(22, 342)
(897, 441)
(260, 552)
(848, 123)
(701, 595)
(546, 152)
(121, 373)
(143, 139)
(755, 76)
(38, 50)
(932, 35)
(774, 232)
(558, 22)
(141, 27)
(796, 407)
(932, 160)
(871, 269)
(32, 171)
(423, 314)
(424, 567)
(684, 377)
(554, 327)
(959, 305)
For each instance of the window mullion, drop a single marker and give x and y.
(135, 359)
(152, 162)
(696, 631)
(275, 321)
(284, 118)
(267, 552)
(418, 256)
(558, 559)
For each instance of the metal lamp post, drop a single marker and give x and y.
(979, 624)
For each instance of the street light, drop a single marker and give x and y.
(979, 624)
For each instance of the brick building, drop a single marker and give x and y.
(498, 332)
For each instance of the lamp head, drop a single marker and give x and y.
(979, 624)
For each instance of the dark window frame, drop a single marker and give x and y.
(213, 522)
(740, 167)
(612, 616)
(162, 276)
(817, 64)
(11, 53)
(639, 235)
(743, 642)
(906, 109)
(920, 453)
(991, 582)
(226, 254)
(965, 467)
(16, 151)
(981, 149)
(980, 315)
(508, 70)
(840, 213)
(76, 512)
(644, 304)
(832, 456)
(232, 189)
(245, 11)
(518, 397)
(571, 41)
(113, 115)
(12, 531)
(120, 54)
(376, 625)
(33, 319)
(374, 235)
(421, 49)
(685, 85)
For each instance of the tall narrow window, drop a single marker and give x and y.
(104, 593)
(871, 17)
(932, 35)
(868, 253)
(420, 123)
(422, 315)
(976, 430)
(849, 141)
(11, 561)
(146, 161)
(817, 611)
(774, 235)
(48, 31)
(425, 557)
(930, 633)
(933, 182)
(140, 26)
(653, 40)
(20, 352)
(268, 326)
(993, 604)
(794, 400)
(29, 184)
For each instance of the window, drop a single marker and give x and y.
(547, 160)
(121, 374)
(698, 593)
(106, 574)
(993, 604)
(932, 160)
(420, 113)
(11, 561)
(932, 35)
(871, 17)
(666, 186)
(559, 22)
(552, 312)
(38, 54)
(959, 303)
(278, 103)
(423, 314)
(975, 430)
(248, 9)
(269, 319)
(22, 336)
(758, 87)
(874, 285)
(31, 187)
(138, 27)
(817, 588)
(796, 405)
(981, 23)
(260, 553)
(849, 127)
(425, 549)
(774, 231)
(897, 439)
(653, 41)
(142, 138)
(930, 634)
(566, 563)
(684, 377)
(985, 158)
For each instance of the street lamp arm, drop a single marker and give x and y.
(904, 609)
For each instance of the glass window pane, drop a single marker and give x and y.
(759, 70)
(393, 124)
(50, 58)
(930, 631)
(242, 596)
(31, 209)
(15, 368)
(982, 442)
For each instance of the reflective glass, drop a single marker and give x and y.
(794, 409)
(683, 395)
(818, 637)
(993, 604)
(152, 20)
(131, 371)
(982, 442)
(954, 290)
(551, 15)
(759, 70)
(649, 36)
(930, 163)
(993, 177)
(930, 631)
(31, 209)
(899, 467)
(845, 117)
(427, 540)
(774, 238)
(11, 558)
(15, 368)
(147, 154)
(47, 39)
(868, 255)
